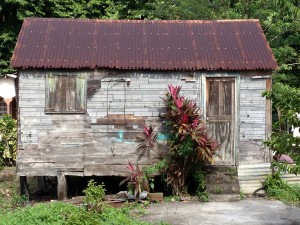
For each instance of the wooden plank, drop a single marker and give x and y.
(35, 169)
(61, 186)
(118, 159)
(121, 119)
(107, 170)
(268, 156)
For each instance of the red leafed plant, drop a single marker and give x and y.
(188, 141)
(135, 180)
(146, 142)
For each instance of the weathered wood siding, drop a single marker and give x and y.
(119, 103)
(255, 123)
(101, 141)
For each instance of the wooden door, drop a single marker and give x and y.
(220, 114)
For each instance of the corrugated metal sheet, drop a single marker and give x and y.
(138, 44)
(252, 176)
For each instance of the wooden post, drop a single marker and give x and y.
(8, 101)
(24, 186)
(61, 186)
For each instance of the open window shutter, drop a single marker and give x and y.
(80, 99)
(50, 94)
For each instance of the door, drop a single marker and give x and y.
(220, 114)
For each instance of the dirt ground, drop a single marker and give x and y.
(250, 211)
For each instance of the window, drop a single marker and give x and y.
(66, 93)
(3, 109)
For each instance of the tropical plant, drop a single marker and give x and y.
(146, 142)
(189, 144)
(279, 189)
(135, 180)
(8, 140)
(286, 103)
(94, 196)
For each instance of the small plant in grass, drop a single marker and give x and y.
(94, 196)
(135, 180)
(242, 195)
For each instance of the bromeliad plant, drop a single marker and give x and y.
(189, 144)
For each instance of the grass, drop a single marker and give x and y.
(65, 213)
(14, 212)
(10, 198)
(276, 188)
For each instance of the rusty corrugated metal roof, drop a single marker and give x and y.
(142, 44)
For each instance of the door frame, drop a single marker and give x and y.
(236, 77)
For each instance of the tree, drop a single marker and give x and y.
(286, 101)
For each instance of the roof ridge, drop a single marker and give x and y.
(139, 21)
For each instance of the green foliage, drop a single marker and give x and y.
(53, 213)
(281, 190)
(94, 196)
(201, 186)
(8, 140)
(10, 200)
(62, 213)
(286, 102)
(242, 195)
(152, 170)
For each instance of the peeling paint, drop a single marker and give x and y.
(162, 137)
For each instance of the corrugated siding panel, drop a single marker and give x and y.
(252, 176)
(132, 44)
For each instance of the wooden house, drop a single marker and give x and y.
(87, 87)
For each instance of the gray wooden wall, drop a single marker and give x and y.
(255, 119)
(102, 141)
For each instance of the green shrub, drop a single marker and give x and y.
(8, 140)
(281, 190)
(201, 186)
(94, 196)
(52, 213)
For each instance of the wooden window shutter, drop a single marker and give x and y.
(66, 93)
